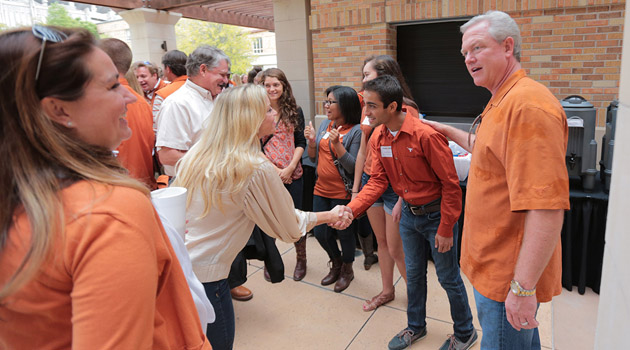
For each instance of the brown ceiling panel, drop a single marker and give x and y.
(246, 13)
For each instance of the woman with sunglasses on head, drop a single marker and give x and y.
(285, 147)
(86, 263)
(334, 148)
(385, 213)
(232, 186)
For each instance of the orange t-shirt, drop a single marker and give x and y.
(111, 282)
(518, 164)
(329, 183)
(136, 153)
(172, 87)
(366, 129)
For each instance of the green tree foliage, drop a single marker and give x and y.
(58, 16)
(3, 27)
(231, 39)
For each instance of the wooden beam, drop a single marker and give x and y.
(169, 5)
(211, 15)
(194, 12)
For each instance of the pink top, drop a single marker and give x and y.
(280, 147)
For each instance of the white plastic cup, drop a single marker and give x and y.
(171, 202)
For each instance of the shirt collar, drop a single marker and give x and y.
(406, 127)
(506, 87)
(181, 78)
(201, 91)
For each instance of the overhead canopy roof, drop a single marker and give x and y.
(246, 13)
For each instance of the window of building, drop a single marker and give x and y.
(430, 57)
(258, 45)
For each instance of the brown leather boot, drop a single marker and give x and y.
(300, 263)
(345, 277)
(333, 275)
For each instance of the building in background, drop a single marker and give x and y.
(263, 48)
(16, 13)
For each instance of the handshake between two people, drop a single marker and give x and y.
(341, 217)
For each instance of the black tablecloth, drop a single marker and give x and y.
(583, 234)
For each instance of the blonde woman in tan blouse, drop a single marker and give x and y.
(232, 186)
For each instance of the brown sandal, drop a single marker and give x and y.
(379, 300)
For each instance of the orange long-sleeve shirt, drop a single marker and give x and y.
(418, 163)
(111, 282)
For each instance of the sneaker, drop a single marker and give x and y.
(452, 343)
(405, 338)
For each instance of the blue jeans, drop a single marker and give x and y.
(417, 232)
(220, 333)
(498, 333)
(326, 235)
(387, 200)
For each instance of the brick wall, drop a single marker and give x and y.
(571, 46)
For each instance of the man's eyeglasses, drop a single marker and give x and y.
(328, 103)
(46, 34)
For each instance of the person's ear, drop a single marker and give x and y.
(508, 45)
(392, 107)
(57, 111)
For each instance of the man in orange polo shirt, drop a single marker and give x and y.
(135, 154)
(174, 63)
(518, 187)
(417, 162)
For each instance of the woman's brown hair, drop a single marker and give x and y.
(288, 106)
(387, 65)
(41, 156)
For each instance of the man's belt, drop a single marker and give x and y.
(430, 207)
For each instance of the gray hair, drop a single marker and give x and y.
(500, 27)
(207, 55)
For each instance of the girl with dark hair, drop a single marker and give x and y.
(86, 263)
(385, 213)
(285, 147)
(334, 148)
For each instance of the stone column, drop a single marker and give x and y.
(614, 299)
(150, 29)
(294, 50)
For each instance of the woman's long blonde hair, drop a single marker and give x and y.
(228, 152)
(41, 157)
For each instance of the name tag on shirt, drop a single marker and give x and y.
(386, 151)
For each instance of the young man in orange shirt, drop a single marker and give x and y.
(418, 163)
(518, 187)
(174, 63)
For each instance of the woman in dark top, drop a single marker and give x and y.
(285, 147)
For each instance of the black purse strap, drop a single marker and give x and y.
(346, 182)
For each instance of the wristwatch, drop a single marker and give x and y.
(519, 291)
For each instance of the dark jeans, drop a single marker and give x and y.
(417, 232)
(296, 189)
(326, 235)
(220, 333)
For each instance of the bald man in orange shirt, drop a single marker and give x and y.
(136, 153)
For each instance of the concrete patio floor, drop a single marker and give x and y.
(306, 315)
